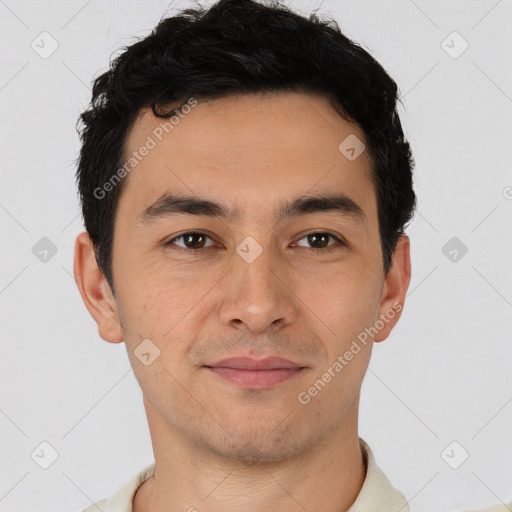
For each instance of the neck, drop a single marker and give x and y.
(327, 476)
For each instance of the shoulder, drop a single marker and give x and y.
(122, 499)
(94, 507)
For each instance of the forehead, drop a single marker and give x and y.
(247, 151)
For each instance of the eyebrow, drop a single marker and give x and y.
(169, 205)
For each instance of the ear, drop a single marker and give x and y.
(395, 288)
(95, 291)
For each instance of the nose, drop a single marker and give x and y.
(258, 296)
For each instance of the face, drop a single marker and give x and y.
(250, 265)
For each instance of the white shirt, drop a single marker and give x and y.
(376, 495)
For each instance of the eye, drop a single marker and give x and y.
(320, 241)
(192, 241)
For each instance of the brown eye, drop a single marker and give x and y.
(319, 241)
(190, 241)
(194, 240)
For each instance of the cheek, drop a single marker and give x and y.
(171, 318)
(156, 295)
(344, 302)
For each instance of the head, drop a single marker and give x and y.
(245, 184)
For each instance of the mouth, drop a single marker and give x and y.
(250, 373)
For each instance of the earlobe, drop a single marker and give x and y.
(95, 291)
(394, 289)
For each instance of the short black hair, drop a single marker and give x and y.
(232, 47)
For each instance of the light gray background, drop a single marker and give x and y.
(443, 375)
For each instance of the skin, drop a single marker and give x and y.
(219, 447)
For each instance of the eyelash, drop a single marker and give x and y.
(327, 249)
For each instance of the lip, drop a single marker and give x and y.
(250, 363)
(250, 373)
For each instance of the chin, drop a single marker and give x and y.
(260, 444)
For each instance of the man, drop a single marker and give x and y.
(245, 183)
